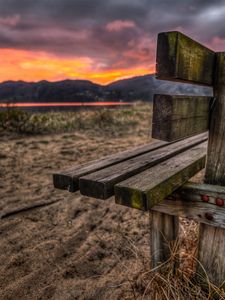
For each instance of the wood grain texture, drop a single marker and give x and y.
(215, 169)
(150, 187)
(177, 117)
(101, 184)
(211, 253)
(180, 58)
(212, 240)
(204, 193)
(163, 236)
(69, 179)
(205, 213)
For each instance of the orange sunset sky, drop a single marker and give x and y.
(36, 66)
(97, 40)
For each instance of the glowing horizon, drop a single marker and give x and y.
(34, 66)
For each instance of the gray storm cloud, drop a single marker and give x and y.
(82, 27)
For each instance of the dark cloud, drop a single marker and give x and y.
(80, 27)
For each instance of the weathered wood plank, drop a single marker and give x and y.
(215, 169)
(150, 187)
(69, 179)
(163, 237)
(100, 184)
(212, 240)
(211, 253)
(180, 58)
(177, 117)
(205, 193)
(194, 201)
(205, 213)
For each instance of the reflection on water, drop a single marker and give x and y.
(61, 104)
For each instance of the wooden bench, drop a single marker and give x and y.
(102, 178)
(153, 177)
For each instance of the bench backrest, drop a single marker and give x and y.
(179, 58)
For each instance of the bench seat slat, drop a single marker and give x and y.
(150, 187)
(101, 184)
(69, 179)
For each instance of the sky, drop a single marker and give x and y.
(97, 40)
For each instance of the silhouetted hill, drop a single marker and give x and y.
(132, 89)
(45, 91)
(144, 87)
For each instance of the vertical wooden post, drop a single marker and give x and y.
(164, 232)
(212, 240)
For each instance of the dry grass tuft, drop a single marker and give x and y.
(166, 281)
(103, 120)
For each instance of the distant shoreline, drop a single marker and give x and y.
(62, 104)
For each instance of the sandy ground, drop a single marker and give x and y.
(58, 245)
(68, 246)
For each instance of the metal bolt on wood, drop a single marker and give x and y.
(205, 198)
(209, 216)
(219, 202)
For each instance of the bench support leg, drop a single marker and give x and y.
(211, 254)
(163, 237)
(212, 240)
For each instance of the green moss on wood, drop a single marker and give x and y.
(172, 42)
(167, 187)
(182, 59)
(130, 198)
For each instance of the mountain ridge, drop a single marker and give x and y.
(68, 90)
